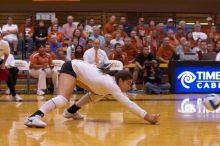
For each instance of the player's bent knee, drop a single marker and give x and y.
(59, 101)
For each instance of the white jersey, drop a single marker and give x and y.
(102, 84)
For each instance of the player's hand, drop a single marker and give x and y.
(152, 118)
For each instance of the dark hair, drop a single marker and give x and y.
(117, 44)
(124, 75)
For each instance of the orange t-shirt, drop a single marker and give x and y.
(109, 28)
(121, 57)
(131, 51)
(165, 52)
(59, 36)
(38, 59)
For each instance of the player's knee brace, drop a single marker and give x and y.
(59, 101)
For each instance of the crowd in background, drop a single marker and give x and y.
(145, 45)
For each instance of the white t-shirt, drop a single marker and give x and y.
(102, 84)
(7, 27)
(10, 62)
(218, 57)
(89, 56)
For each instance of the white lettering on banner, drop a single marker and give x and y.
(204, 79)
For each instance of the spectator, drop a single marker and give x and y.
(173, 40)
(95, 55)
(187, 53)
(217, 47)
(89, 26)
(213, 35)
(202, 49)
(54, 44)
(89, 44)
(198, 34)
(140, 60)
(107, 47)
(117, 39)
(130, 50)
(141, 28)
(136, 41)
(70, 52)
(69, 28)
(109, 27)
(40, 33)
(126, 26)
(161, 33)
(170, 26)
(180, 32)
(41, 67)
(4, 73)
(179, 47)
(153, 79)
(81, 40)
(120, 30)
(81, 27)
(55, 21)
(207, 29)
(166, 51)
(55, 32)
(184, 26)
(79, 53)
(26, 32)
(211, 54)
(10, 31)
(148, 41)
(96, 35)
(118, 54)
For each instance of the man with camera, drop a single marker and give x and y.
(153, 78)
(140, 60)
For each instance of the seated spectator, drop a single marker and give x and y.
(107, 47)
(55, 21)
(89, 26)
(211, 54)
(136, 41)
(126, 26)
(118, 55)
(96, 55)
(161, 34)
(179, 47)
(166, 51)
(81, 40)
(144, 56)
(170, 26)
(141, 29)
(40, 33)
(54, 32)
(60, 54)
(25, 34)
(120, 30)
(151, 27)
(180, 33)
(153, 79)
(217, 46)
(187, 53)
(202, 49)
(189, 37)
(68, 28)
(10, 31)
(81, 27)
(130, 50)
(117, 39)
(206, 29)
(6, 75)
(89, 44)
(197, 33)
(47, 47)
(41, 67)
(148, 41)
(79, 53)
(213, 35)
(54, 44)
(96, 35)
(72, 48)
(109, 27)
(173, 41)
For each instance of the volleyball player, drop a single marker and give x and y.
(91, 78)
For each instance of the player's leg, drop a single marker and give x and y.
(67, 82)
(72, 112)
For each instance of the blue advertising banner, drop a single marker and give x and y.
(197, 79)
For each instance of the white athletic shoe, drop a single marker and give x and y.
(40, 92)
(35, 122)
(75, 116)
(17, 98)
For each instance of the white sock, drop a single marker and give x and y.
(56, 102)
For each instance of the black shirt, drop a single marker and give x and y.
(141, 58)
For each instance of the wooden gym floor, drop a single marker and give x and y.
(184, 122)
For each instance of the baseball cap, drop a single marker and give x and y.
(209, 19)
